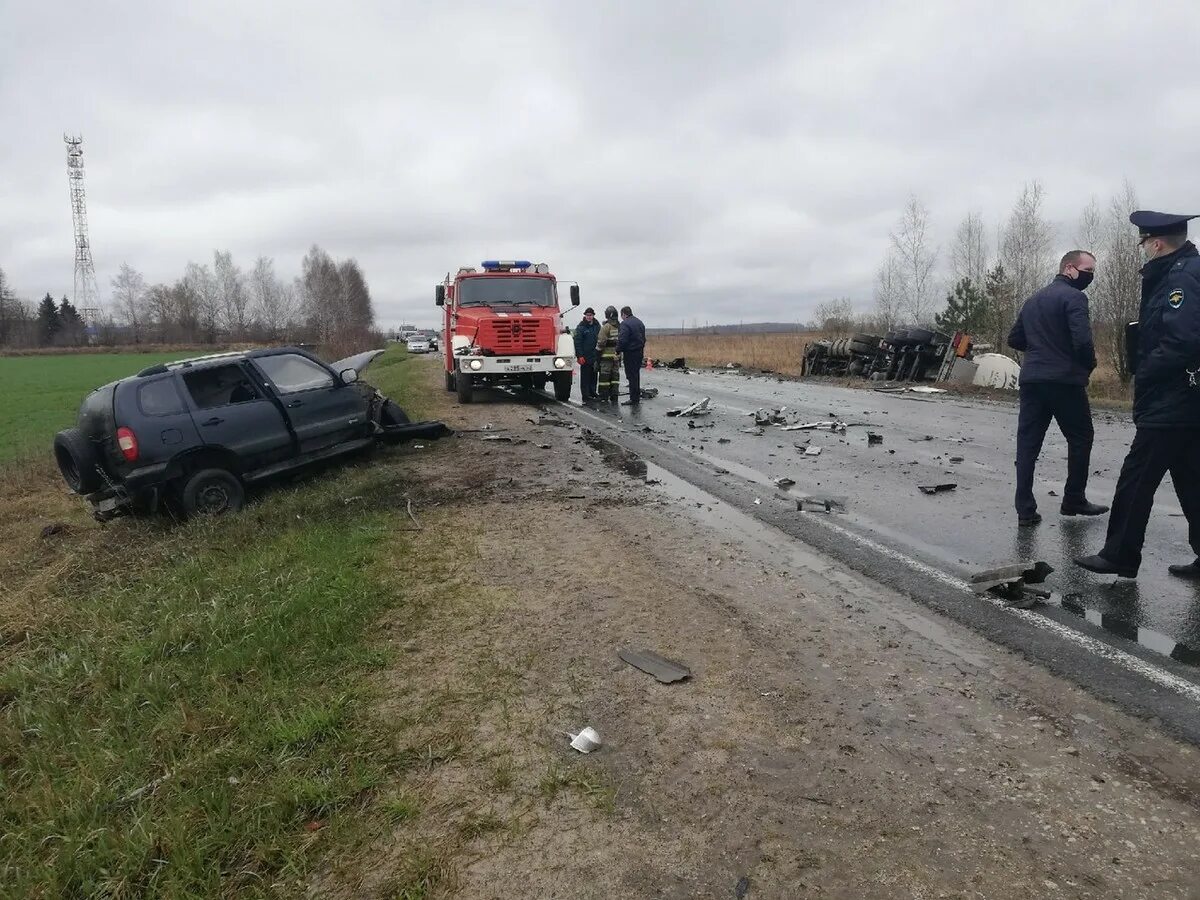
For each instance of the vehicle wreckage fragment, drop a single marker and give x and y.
(699, 408)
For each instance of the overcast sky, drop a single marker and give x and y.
(702, 161)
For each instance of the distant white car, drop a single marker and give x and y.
(418, 345)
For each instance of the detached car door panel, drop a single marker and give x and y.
(231, 411)
(322, 410)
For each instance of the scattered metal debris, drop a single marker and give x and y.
(924, 389)
(874, 438)
(784, 482)
(757, 432)
(651, 663)
(956, 459)
(692, 424)
(649, 393)
(586, 741)
(722, 440)
(812, 451)
(936, 488)
(543, 446)
(699, 408)
(498, 437)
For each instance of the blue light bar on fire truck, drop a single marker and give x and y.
(504, 265)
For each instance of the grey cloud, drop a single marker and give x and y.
(707, 160)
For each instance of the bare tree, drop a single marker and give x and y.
(889, 294)
(835, 316)
(969, 255)
(160, 311)
(1026, 249)
(268, 298)
(1089, 233)
(1117, 292)
(321, 294)
(205, 299)
(915, 259)
(234, 299)
(129, 293)
(359, 310)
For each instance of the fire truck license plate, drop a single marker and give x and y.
(515, 367)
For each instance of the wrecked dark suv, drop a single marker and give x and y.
(194, 433)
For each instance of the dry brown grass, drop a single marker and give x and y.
(773, 352)
(782, 353)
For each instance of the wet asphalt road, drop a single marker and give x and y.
(959, 532)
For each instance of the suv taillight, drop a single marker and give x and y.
(127, 441)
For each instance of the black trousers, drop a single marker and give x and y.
(1067, 404)
(1153, 453)
(587, 380)
(633, 375)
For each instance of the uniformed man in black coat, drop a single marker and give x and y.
(1055, 333)
(1166, 398)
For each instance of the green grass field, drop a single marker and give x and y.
(39, 395)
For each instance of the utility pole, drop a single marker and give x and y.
(87, 294)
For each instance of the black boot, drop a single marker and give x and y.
(1082, 508)
(1190, 571)
(1101, 566)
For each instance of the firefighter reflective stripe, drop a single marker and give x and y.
(608, 379)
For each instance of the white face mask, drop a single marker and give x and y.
(1148, 250)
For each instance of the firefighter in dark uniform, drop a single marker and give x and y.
(1166, 398)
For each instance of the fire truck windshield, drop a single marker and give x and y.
(498, 290)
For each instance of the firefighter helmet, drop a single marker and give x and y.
(610, 313)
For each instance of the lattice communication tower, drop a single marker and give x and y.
(87, 294)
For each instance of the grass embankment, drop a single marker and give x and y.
(782, 353)
(197, 710)
(40, 395)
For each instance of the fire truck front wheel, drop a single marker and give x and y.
(562, 386)
(466, 387)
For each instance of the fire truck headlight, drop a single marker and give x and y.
(475, 365)
(559, 362)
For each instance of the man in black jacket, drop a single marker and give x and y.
(631, 345)
(1055, 333)
(1166, 399)
(586, 333)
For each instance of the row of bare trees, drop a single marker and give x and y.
(328, 303)
(986, 277)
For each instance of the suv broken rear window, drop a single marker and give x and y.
(220, 386)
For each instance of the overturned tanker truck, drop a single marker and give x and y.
(911, 354)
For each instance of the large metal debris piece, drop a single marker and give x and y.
(651, 663)
(832, 425)
(936, 488)
(699, 408)
(1011, 583)
(829, 504)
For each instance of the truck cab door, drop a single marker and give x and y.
(322, 410)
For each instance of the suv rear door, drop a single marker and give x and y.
(232, 411)
(323, 411)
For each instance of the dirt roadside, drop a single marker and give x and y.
(833, 741)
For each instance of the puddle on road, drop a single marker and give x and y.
(1131, 631)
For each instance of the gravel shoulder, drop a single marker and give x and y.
(834, 740)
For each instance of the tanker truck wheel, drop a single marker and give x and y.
(562, 386)
(466, 387)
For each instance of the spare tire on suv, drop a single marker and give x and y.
(76, 458)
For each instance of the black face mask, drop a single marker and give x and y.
(1081, 280)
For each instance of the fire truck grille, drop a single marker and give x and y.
(517, 335)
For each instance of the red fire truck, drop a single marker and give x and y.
(502, 325)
